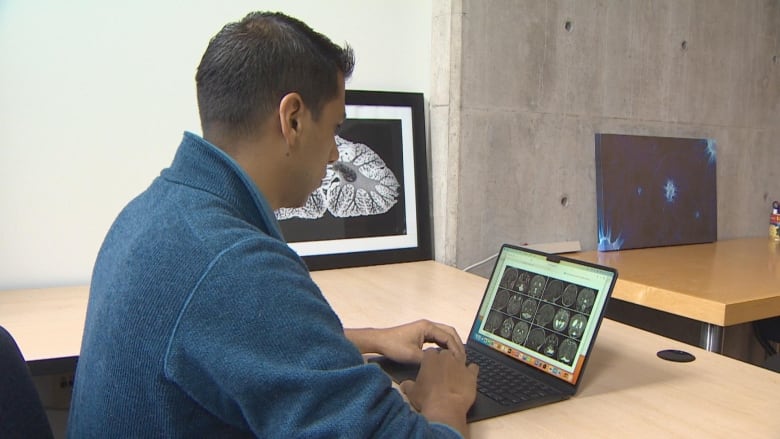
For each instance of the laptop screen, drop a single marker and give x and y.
(543, 310)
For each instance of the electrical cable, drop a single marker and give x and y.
(477, 264)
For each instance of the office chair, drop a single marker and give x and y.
(21, 411)
(767, 332)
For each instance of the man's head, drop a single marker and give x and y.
(271, 94)
(250, 65)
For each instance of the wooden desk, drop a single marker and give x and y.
(719, 284)
(47, 324)
(627, 391)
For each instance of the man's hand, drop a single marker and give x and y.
(445, 388)
(404, 343)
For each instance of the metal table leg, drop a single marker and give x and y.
(711, 337)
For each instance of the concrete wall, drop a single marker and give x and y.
(526, 92)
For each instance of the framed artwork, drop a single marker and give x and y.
(655, 191)
(373, 206)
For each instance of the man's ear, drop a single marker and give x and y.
(291, 109)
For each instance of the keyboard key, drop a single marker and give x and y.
(504, 385)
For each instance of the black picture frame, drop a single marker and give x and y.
(390, 125)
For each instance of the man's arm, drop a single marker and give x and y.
(404, 343)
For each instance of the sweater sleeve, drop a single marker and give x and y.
(258, 346)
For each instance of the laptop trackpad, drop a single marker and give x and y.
(398, 372)
(483, 407)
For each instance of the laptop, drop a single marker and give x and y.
(534, 330)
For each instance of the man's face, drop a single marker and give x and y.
(318, 146)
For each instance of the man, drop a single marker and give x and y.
(202, 322)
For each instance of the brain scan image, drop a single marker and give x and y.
(494, 320)
(528, 309)
(561, 320)
(554, 291)
(537, 286)
(585, 300)
(569, 295)
(315, 207)
(577, 325)
(550, 345)
(567, 351)
(520, 332)
(523, 282)
(506, 328)
(502, 298)
(357, 184)
(545, 314)
(509, 278)
(535, 339)
(513, 307)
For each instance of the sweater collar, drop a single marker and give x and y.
(200, 164)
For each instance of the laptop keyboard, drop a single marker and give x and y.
(504, 385)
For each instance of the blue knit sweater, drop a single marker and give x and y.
(202, 322)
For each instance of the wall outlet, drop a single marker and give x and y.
(55, 390)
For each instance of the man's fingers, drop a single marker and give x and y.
(446, 336)
(407, 387)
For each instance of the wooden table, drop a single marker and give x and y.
(47, 324)
(627, 390)
(719, 284)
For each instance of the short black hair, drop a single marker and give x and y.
(250, 65)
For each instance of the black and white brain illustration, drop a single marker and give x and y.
(314, 208)
(357, 184)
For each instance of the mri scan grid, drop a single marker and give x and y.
(544, 314)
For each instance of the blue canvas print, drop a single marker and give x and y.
(655, 191)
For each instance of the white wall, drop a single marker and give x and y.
(94, 97)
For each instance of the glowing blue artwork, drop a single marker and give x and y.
(606, 242)
(670, 190)
(711, 150)
(655, 191)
